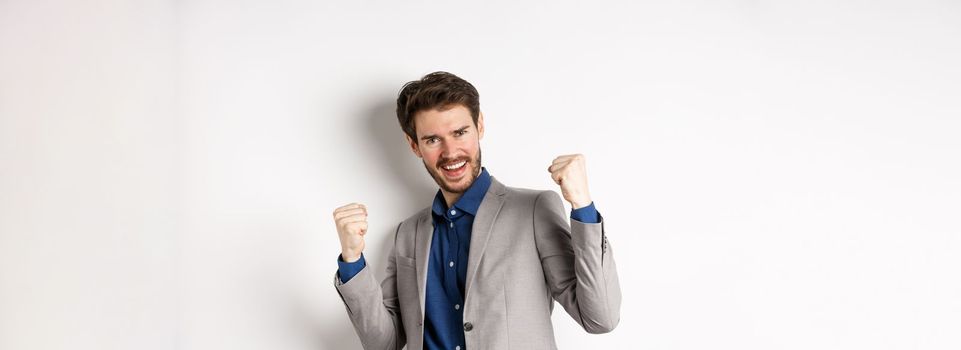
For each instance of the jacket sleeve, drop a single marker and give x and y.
(578, 265)
(373, 309)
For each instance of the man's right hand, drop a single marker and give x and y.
(351, 221)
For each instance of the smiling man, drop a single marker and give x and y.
(481, 266)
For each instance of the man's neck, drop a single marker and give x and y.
(451, 198)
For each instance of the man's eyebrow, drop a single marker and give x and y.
(428, 137)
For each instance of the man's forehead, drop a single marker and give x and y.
(441, 121)
(446, 113)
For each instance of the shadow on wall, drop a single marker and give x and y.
(401, 170)
(414, 190)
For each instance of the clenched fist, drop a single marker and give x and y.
(570, 172)
(351, 221)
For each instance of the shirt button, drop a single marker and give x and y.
(451, 264)
(468, 327)
(457, 307)
(452, 224)
(457, 347)
(453, 212)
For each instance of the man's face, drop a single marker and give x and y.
(449, 144)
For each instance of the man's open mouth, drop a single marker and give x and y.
(455, 169)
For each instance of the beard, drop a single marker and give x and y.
(435, 172)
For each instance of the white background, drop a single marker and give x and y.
(774, 175)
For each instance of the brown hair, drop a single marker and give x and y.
(437, 90)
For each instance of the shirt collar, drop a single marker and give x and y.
(470, 201)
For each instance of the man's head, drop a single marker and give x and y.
(440, 113)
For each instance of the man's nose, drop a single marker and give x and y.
(447, 149)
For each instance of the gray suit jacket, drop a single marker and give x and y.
(523, 256)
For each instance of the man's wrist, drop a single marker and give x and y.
(349, 257)
(580, 203)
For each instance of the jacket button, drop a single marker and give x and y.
(468, 326)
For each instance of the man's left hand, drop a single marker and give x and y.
(570, 172)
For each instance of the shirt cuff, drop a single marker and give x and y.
(587, 215)
(348, 270)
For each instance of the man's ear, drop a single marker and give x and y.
(413, 146)
(480, 126)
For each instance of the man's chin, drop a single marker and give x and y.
(460, 185)
(457, 186)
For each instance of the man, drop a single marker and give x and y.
(481, 267)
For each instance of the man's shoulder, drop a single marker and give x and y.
(528, 195)
(524, 192)
(411, 221)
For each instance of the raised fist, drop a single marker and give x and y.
(570, 172)
(351, 221)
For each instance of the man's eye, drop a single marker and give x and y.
(430, 141)
(461, 132)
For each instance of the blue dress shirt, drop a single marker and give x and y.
(447, 266)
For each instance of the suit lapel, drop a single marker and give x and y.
(481, 231)
(423, 236)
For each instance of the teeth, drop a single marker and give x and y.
(455, 166)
